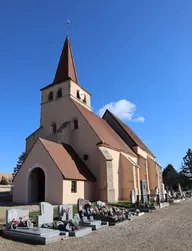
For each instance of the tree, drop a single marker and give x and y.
(19, 163)
(187, 164)
(170, 177)
(4, 181)
(184, 181)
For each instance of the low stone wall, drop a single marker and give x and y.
(6, 188)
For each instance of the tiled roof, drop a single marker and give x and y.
(66, 67)
(104, 132)
(68, 161)
(131, 134)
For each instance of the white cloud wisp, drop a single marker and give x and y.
(123, 109)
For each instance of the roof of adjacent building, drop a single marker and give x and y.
(104, 132)
(67, 161)
(66, 66)
(130, 133)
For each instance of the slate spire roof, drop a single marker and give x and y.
(66, 66)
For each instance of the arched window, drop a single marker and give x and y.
(53, 127)
(59, 93)
(50, 96)
(77, 94)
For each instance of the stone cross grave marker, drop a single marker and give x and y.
(16, 214)
(46, 211)
(65, 212)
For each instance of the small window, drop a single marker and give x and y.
(50, 96)
(76, 126)
(59, 93)
(77, 95)
(85, 157)
(73, 186)
(54, 127)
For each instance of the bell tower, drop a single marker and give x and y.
(64, 86)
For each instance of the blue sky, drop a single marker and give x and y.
(136, 51)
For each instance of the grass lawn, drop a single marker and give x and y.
(124, 203)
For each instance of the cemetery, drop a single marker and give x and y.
(44, 229)
(81, 219)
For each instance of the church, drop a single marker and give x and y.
(76, 154)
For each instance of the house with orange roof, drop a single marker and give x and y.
(76, 154)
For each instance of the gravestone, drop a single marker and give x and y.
(46, 211)
(34, 235)
(81, 203)
(180, 189)
(132, 197)
(143, 185)
(163, 191)
(65, 212)
(16, 214)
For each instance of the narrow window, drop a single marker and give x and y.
(76, 126)
(59, 93)
(54, 127)
(50, 96)
(73, 186)
(84, 100)
(77, 95)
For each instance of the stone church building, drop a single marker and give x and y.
(76, 154)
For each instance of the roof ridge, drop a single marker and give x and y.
(115, 136)
(131, 131)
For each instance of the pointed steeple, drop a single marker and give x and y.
(66, 67)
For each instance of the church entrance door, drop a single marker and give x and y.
(36, 186)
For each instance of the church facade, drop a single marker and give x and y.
(76, 154)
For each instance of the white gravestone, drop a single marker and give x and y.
(16, 214)
(46, 211)
(163, 190)
(65, 212)
(132, 196)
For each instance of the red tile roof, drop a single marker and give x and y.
(67, 161)
(66, 67)
(131, 134)
(104, 132)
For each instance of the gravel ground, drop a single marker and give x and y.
(167, 229)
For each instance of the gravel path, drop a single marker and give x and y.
(167, 229)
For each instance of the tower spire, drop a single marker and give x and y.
(66, 67)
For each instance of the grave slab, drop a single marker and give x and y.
(164, 204)
(34, 235)
(81, 232)
(95, 224)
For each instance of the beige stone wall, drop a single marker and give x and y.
(115, 164)
(126, 178)
(83, 140)
(38, 157)
(85, 190)
(153, 176)
(33, 137)
(65, 86)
